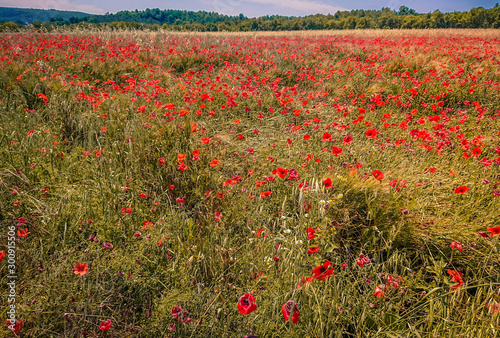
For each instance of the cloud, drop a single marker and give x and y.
(62, 5)
(307, 7)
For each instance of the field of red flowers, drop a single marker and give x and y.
(250, 185)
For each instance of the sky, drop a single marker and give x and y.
(250, 8)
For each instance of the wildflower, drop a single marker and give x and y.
(379, 291)
(161, 161)
(327, 183)
(456, 277)
(259, 232)
(494, 231)
(311, 233)
(14, 327)
(176, 310)
(323, 271)
(303, 282)
(290, 307)
(312, 250)
(23, 233)
(218, 216)
(80, 269)
(214, 163)
(287, 231)
(265, 194)
(456, 245)
(378, 174)
(280, 172)
(362, 260)
(105, 325)
(461, 190)
(336, 151)
(372, 133)
(107, 245)
(2, 254)
(246, 304)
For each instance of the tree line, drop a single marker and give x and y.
(404, 18)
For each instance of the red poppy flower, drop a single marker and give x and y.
(218, 216)
(327, 137)
(476, 152)
(322, 272)
(456, 245)
(494, 231)
(362, 260)
(14, 327)
(327, 183)
(372, 133)
(214, 163)
(176, 310)
(310, 233)
(246, 304)
(378, 174)
(80, 269)
(379, 291)
(2, 254)
(347, 139)
(259, 232)
(181, 157)
(461, 190)
(280, 172)
(105, 325)
(303, 282)
(205, 140)
(288, 308)
(312, 250)
(265, 194)
(23, 233)
(336, 151)
(456, 277)
(182, 167)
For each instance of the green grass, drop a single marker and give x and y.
(74, 181)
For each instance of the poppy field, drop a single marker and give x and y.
(307, 184)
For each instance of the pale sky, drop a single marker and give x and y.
(250, 8)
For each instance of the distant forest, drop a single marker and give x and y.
(178, 20)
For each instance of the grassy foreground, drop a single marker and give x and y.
(196, 185)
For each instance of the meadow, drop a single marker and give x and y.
(306, 184)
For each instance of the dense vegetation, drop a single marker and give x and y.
(404, 18)
(22, 16)
(318, 184)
